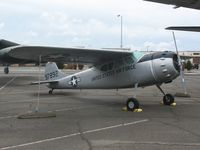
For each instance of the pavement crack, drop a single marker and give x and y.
(83, 137)
(176, 116)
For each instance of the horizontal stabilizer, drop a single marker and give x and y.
(185, 28)
(43, 82)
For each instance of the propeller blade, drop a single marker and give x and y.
(180, 64)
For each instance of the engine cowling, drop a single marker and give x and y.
(165, 66)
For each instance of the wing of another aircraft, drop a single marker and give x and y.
(185, 28)
(195, 4)
(65, 55)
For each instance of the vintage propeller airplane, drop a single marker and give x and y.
(112, 68)
(131, 69)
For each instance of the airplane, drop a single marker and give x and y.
(6, 59)
(127, 70)
(195, 4)
(111, 68)
(3, 60)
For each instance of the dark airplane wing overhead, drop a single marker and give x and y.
(185, 28)
(195, 4)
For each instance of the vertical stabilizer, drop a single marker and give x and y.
(52, 72)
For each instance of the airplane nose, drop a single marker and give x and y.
(165, 66)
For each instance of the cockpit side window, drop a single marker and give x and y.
(145, 58)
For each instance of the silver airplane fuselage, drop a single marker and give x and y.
(125, 72)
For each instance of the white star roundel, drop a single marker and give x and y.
(74, 81)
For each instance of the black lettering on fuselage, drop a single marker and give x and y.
(114, 72)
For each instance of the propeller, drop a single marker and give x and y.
(180, 65)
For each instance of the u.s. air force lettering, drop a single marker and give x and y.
(113, 72)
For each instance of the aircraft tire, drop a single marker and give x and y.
(168, 99)
(132, 104)
(6, 70)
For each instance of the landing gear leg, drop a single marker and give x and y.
(168, 99)
(51, 91)
(6, 69)
(132, 104)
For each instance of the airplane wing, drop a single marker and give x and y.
(61, 54)
(195, 4)
(185, 28)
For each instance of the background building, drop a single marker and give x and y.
(193, 56)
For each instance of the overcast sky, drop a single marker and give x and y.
(94, 23)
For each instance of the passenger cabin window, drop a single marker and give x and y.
(107, 67)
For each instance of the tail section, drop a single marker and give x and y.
(52, 72)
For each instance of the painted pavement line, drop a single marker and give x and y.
(10, 81)
(74, 134)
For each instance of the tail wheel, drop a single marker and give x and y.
(6, 70)
(168, 99)
(132, 104)
(51, 91)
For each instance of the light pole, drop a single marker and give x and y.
(147, 48)
(121, 45)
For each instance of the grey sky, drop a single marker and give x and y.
(94, 23)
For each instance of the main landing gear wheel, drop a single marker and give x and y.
(168, 99)
(132, 104)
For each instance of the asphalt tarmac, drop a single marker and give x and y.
(94, 120)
